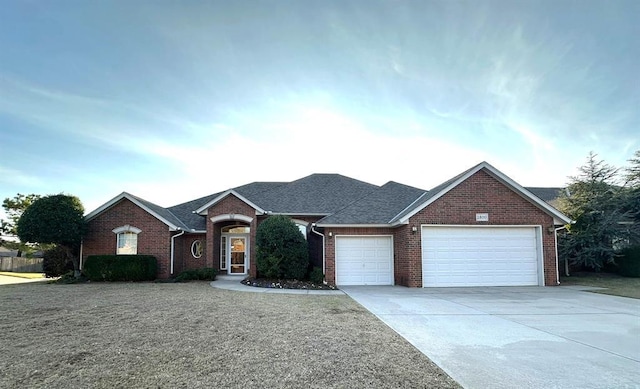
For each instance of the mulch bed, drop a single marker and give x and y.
(286, 284)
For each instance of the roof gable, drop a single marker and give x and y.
(203, 209)
(442, 189)
(160, 213)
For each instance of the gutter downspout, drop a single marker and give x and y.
(566, 263)
(173, 243)
(323, 254)
(80, 259)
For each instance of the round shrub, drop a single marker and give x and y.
(281, 250)
(55, 262)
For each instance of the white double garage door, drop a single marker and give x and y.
(451, 256)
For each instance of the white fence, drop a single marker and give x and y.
(21, 264)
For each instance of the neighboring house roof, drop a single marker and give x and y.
(550, 195)
(5, 252)
(342, 200)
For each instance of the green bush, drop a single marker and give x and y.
(204, 274)
(121, 267)
(281, 250)
(629, 262)
(55, 262)
(316, 276)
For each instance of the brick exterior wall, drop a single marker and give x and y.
(183, 259)
(155, 238)
(233, 206)
(480, 193)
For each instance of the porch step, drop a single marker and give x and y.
(231, 277)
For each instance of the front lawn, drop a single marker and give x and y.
(615, 284)
(191, 335)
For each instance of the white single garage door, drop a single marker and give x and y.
(480, 256)
(364, 260)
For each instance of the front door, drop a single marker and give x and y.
(237, 255)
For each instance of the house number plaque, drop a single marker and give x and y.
(482, 217)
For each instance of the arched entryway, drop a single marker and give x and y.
(234, 249)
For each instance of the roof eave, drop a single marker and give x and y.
(354, 225)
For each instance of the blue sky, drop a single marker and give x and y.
(173, 100)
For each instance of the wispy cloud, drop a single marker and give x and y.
(17, 178)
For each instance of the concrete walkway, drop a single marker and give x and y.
(528, 337)
(233, 283)
(10, 280)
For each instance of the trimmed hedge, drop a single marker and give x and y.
(629, 262)
(203, 274)
(121, 268)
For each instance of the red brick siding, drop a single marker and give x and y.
(229, 205)
(153, 240)
(406, 271)
(183, 259)
(480, 193)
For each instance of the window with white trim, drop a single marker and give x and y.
(303, 230)
(302, 226)
(127, 240)
(127, 243)
(223, 253)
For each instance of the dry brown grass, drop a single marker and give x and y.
(615, 285)
(192, 335)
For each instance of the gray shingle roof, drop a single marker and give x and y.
(193, 221)
(548, 195)
(342, 200)
(317, 194)
(185, 212)
(379, 207)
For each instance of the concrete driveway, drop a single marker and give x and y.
(516, 337)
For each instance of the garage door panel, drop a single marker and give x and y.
(483, 256)
(364, 260)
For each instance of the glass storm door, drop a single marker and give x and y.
(237, 255)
